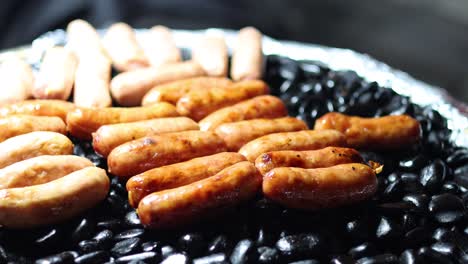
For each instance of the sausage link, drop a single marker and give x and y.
(128, 88)
(200, 103)
(382, 133)
(307, 159)
(239, 133)
(211, 53)
(17, 81)
(83, 39)
(33, 144)
(247, 58)
(146, 153)
(82, 122)
(39, 170)
(311, 189)
(15, 125)
(300, 140)
(264, 106)
(173, 91)
(57, 108)
(108, 137)
(55, 201)
(178, 174)
(160, 48)
(187, 204)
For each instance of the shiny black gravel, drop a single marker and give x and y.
(419, 214)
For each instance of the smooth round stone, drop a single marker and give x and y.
(93, 257)
(363, 250)
(104, 238)
(193, 243)
(132, 219)
(460, 176)
(87, 246)
(379, 259)
(387, 228)
(125, 247)
(298, 245)
(414, 164)
(409, 256)
(131, 233)
(218, 258)
(417, 236)
(450, 187)
(219, 244)
(83, 230)
(420, 201)
(61, 258)
(167, 251)
(430, 256)
(446, 208)
(145, 256)
(151, 246)
(342, 260)
(445, 248)
(432, 176)
(242, 252)
(176, 258)
(267, 255)
(457, 158)
(49, 238)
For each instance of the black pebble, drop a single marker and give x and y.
(104, 238)
(305, 261)
(131, 233)
(420, 201)
(84, 229)
(167, 251)
(243, 252)
(112, 224)
(387, 228)
(51, 238)
(267, 255)
(431, 256)
(145, 256)
(61, 258)
(433, 175)
(3, 255)
(409, 256)
(362, 250)
(446, 208)
(457, 158)
(151, 246)
(193, 243)
(299, 245)
(95, 257)
(219, 244)
(342, 260)
(176, 258)
(125, 247)
(132, 219)
(358, 229)
(218, 258)
(379, 259)
(460, 175)
(87, 246)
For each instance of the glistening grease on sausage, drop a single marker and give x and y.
(57, 108)
(311, 189)
(15, 125)
(190, 203)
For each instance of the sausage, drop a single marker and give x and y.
(84, 121)
(33, 144)
(264, 106)
(382, 133)
(56, 108)
(15, 125)
(184, 205)
(307, 159)
(311, 189)
(40, 170)
(56, 75)
(247, 58)
(239, 133)
(128, 88)
(173, 91)
(211, 53)
(160, 48)
(178, 174)
(17, 81)
(121, 45)
(198, 104)
(55, 201)
(300, 140)
(83, 39)
(108, 137)
(150, 152)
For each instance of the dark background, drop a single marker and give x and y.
(427, 38)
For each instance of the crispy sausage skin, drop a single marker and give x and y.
(183, 205)
(300, 140)
(17, 81)
(311, 189)
(39, 170)
(57, 108)
(160, 48)
(32, 145)
(173, 91)
(55, 201)
(239, 133)
(146, 153)
(178, 174)
(15, 125)
(84, 121)
(211, 53)
(382, 133)
(128, 88)
(264, 106)
(247, 58)
(198, 104)
(307, 159)
(108, 137)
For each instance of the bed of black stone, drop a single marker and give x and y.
(419, 214)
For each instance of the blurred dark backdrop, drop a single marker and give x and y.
(427, 38)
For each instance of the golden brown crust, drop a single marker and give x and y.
(57, 108)
(15, 125)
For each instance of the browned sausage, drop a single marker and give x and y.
(79, 30)
(200, 103)
(84, 121)
(187, 204)
(108, 137)
(178, 174)
(160, 48)
(247, 58)
(32, 145)
(264, 106)
(173, 91)
(211, 53)
(57, 108)
(301, 140)
(17, 81)
(239, 133)
(311, 189)
(307, 159)
(15, 125)
(382, 133)
(146, 153)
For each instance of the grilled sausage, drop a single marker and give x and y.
(128, 88)
(239, 133)
(108, 137)
(39, 170)
(83, 39)
(15, 125)
(307, 159)
(17, 81)
(160, 48)
(211, 53)
(82, 122)
(247, 58)
(264, 106)
(301, 140)
(146, 153)
(189, 203)
(178, 174)
(198, 104)
(55, 201)
(311, 189)
(57, 108)
(382, 133)
(32, 145)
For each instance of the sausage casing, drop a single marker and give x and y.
(15, 125)
(247, 58)
(178, 174)
(211, 53)
(160, 48)
(79, 30)
(17, 81)
(57, 108)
